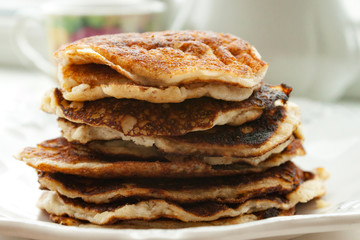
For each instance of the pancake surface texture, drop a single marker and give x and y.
(178, 65)
(58, 155)
(139, 118)
(174, 224)
(227, 189)
(109, 213)
(270, 133)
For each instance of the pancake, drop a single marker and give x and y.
(179, 65)
(227, 189)
(102, 147)
(115, 147)
(89, 82)
(231, 143)
(110, 213)
(58, 155)
(174, 224)
(138, 118)
(251, 139)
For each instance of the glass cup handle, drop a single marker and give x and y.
(23, 45)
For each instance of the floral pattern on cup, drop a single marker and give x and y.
(63, 29)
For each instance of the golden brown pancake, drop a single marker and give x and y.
(251, 139)
(138, 118)
(58, 155)
(132, 209)
(226, 189)
(90, 82)
(121, 147)
(174, 224)
(192, 63)
(153, 209)
(258, 139)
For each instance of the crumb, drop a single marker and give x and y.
(320, 203)
(299, 133)
(322, 173)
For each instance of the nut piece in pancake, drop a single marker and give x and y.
(162, 59)
(138, 118)
(227, 189)
(127, 209)
(58, 155)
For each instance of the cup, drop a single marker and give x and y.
(67, 21)
(312, 45)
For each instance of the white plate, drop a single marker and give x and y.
(333, 141)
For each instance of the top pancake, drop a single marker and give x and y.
(176, 62)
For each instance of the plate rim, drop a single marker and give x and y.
(272, 227)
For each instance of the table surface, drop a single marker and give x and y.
(38, 84)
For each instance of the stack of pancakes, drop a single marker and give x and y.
(167, 130)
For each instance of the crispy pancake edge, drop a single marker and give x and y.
(171, 58)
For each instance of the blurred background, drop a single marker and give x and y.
(312, 45)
